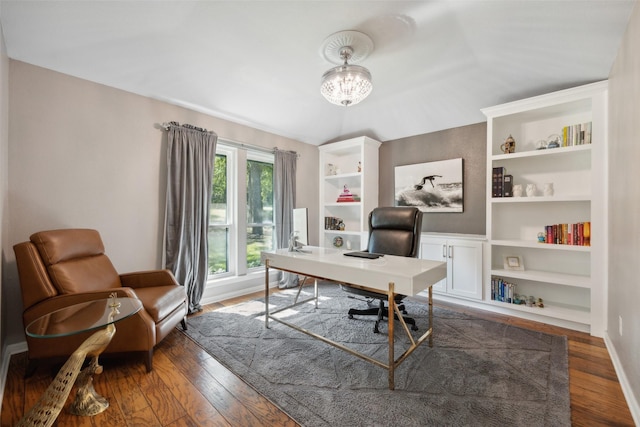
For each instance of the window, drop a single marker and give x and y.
(241, 222)
(259, 210)
(219, 215)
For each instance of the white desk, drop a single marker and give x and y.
(389, 275)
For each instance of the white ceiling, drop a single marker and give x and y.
(434, 64)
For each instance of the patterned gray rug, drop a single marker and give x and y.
(477, 373)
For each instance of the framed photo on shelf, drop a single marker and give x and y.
(513, 262)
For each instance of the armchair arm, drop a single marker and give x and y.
(65, 300)
(143, 279)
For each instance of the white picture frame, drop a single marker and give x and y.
(513, 262)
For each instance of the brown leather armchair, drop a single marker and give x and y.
(59, 268)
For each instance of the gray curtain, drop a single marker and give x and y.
(190, 159)
(284, 183)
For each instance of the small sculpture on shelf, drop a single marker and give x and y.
(517, 190)
(346, 196)
(509, 145)
(554, 141)
(531, 190)
(359, 166)
(548, 189)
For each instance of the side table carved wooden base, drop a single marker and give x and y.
(87, 402)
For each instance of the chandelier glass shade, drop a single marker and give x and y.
(346, 84)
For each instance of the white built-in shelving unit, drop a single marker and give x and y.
(570, 279)
(346, 157)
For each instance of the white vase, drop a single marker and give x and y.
(517, 190)
(548, 189)
(531, 190)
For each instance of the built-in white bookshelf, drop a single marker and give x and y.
(570, 279)
(350, 164)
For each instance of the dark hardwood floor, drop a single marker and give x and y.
(187, 387)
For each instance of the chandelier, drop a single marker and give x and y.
(346, 84)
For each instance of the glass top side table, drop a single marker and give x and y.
(82, 317)
(99, 315)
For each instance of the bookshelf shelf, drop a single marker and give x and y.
(570, 279)
(545, 276)
(547, 152)
(343, 204)
(343, 176)
(571, 313)
(541, 199)
(541, 246)
(342, 233)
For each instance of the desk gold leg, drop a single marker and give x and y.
(391, 311)
(431, 316)
(266, 293)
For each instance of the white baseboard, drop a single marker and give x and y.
(9, 351)
(624, 381)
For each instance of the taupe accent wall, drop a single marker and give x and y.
(468, 143)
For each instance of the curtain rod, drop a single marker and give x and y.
(225, 141)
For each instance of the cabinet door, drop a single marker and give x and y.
(464, 268)
(435, 250)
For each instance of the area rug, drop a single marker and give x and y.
(478, 372)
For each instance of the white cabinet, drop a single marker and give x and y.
(350, 165)
(570, 278)
(464, 264)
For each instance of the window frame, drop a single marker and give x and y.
(236, 221)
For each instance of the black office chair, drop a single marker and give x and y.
(392, 231)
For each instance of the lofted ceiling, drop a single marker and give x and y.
(435, 64)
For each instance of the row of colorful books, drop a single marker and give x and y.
(576, 134)
(578, 234)
(503, 291)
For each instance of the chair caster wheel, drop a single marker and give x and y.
(414, 328)
(351, 316)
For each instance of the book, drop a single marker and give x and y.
(507, 186)
(578, 134)
(497, 181)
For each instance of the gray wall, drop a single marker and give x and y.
(88, 155)
(468, 143)
(624, 205)
(4, 173)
